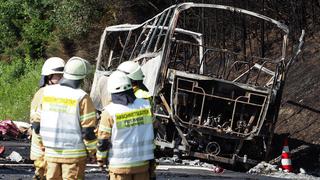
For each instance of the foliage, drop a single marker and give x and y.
(18, 82)
(37, 28)
(26, 26)
(10, 25)
(74, 18)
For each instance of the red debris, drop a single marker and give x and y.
(218, 169)
(2, 149)
(8, 129)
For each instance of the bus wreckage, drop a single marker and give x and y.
(216, 74)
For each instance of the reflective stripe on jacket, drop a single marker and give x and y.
(60, 122)
(36, 143)
(34, 116)
(36, 147)
(132, 134)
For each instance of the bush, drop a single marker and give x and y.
(27, 26)
(18, 82)
(73, 19)
(24, 28)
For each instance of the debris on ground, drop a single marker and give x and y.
(2, 150)
(24, 128)
(267, 169)
(14, 129)
(8, 129)
(263, 168)
(194, 163)
(14, 156)
(93, 170)
(218, 169)
(173, 161)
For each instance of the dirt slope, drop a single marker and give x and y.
(300, 112)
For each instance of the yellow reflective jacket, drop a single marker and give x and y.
(55, 102)
(36, 142)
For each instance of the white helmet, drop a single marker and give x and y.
(132, 69)
(76, 68)
(53, 65)
(118, 82)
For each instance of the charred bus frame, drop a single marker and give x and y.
(212, 101)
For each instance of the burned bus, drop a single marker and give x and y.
(216, 74)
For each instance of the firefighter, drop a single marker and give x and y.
(125, 133)
(67, 124)
(51, 73)
(134, 72)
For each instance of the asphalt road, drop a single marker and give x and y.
(13, 172)
(25, 171)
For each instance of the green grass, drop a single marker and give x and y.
(18, 83)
